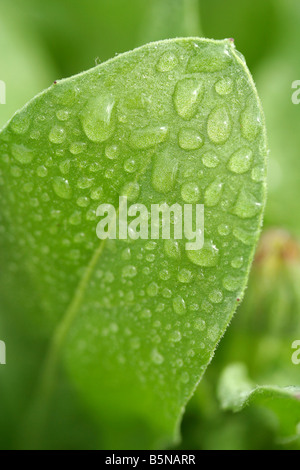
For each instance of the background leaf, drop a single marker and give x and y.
(25, 67)
(236, 391)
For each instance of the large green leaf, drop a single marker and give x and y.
(134, 324)
(236, 391)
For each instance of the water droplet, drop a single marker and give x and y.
(240, 161)
(213, 333)
(84, 182)
(210, 58)
(250, 122)
(77, 147)
(199, 324)
(213, 193)
(224, 230)
(94, 167)
(151, 245)
(59, 152)
(179, 305)
(148, 137)
(129, 271)
(190, 192)
(156, 357)
(190, 139)
(231, 283)
(216, 297)
(91, 214)
(172, 249)
(207, 257)
(131, 191)
(164, 172)
(191, 353)
(112, 151)
(187, 97)
(219, 125)
(164, 274)
(184, 378)
(75, 218)
(185, 276)
(246, 205)
(179, 363)
(98, 118)
(167, 62)
(166, 293)
(28, 187)
(130, 165)
(152, 289)
(35, 134)
(65, 167)
(62, 187)
(42, 171)
(83, 201)
(126, 254)
(224, 86)
(63, 114)
(258, 174)
(79, 237)
(97, 193)
(57, 135)
(20, 123)
(210, 160)
(245, 236)
(237, 262)
(146, 313)
(175, 337)
(21, 153)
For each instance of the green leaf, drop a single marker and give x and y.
(236, 392)
(133, 323)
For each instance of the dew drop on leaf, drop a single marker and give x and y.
(187, 97)
(190, 192)
(167, 62)
(219, 125)
(98, 119)
(240, 161)
(190, 139)
(207, 257)
(21, 153)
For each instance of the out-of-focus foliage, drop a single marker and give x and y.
(236, 391)
(274, 78)
(26, 67)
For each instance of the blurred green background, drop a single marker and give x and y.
(44, 41)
